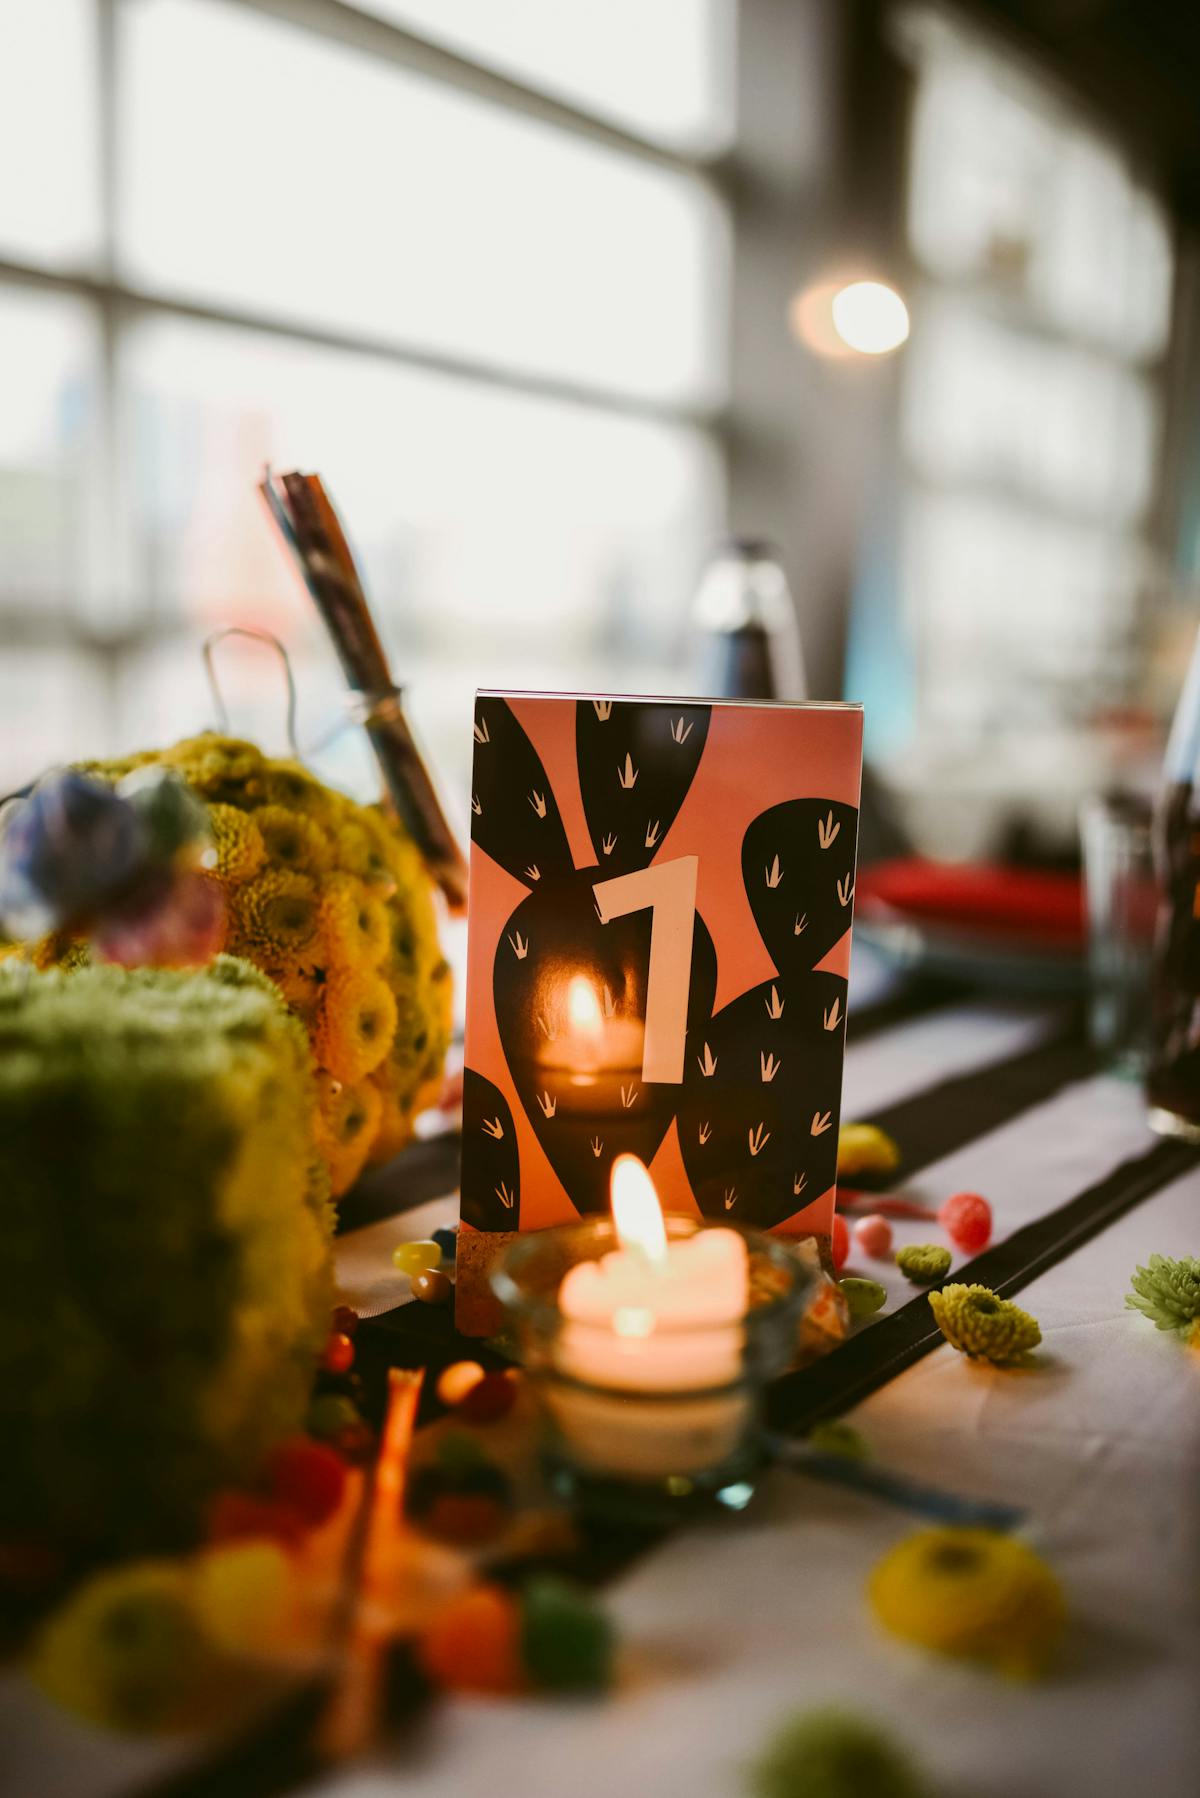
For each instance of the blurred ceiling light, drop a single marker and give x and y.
(846, 318)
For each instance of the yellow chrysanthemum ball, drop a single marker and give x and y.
(332, 900)
(356, 1023)
(978, 1323)
(971, 1592)
(238, 849)
(348, 1118)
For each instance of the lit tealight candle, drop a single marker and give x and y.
(653, 1316)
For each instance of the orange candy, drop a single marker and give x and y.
(474, 1643)
(455, 1381)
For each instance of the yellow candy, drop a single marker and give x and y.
(242, 1596)
(417, 1257)
(866, 1149)
(127, 1651)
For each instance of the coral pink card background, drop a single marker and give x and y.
(572, 792)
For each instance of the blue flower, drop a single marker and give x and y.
(65, 851)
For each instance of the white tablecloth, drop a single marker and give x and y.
(729, 1629)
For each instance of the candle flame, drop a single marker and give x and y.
(583, 1007)
(636, 1211)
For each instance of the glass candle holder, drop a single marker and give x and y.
(655, 1418)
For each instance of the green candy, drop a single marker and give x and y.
(330, 1414)
(836, 1437)
(864, 1297)
(830, 1754)
(923, 1262)
(567, 1642)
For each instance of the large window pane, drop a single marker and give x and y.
(661, 68)
(505, 539)
(266, 169)
(985, 404)
(49, 184)
(54, 706)
(1018, 620)
(48, 443)
(1007, 188)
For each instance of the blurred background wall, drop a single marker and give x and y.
(533, 283)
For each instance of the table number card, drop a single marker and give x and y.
(661, 902)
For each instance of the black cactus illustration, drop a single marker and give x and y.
(555, 946)
(636, 763)
(758, 1111)
(492, 1198)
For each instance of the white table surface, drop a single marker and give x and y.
(730, 1629)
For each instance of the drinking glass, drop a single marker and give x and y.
(1122, 904)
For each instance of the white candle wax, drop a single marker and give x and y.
(653, 1317)
(672, 1325)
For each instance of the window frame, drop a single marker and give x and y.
(118, 621)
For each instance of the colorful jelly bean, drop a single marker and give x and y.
(874, 1236)
(455, 1381)
(338, 1353)
(416, 1257)
(489, 1399)
(473, 1644)
(432, 1287)
(309, 1476)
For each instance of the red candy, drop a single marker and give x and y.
(338, 1355)
(489, 1399)
(345, 1320)
(236, 1516)
(308, 1477)
(967, 1220)
(839, 1244)
(874, 1236)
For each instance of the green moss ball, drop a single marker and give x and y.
(166, 1279)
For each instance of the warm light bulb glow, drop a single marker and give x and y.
(583, 1007)
(870, 317)
(842, 319)
(636, 1211)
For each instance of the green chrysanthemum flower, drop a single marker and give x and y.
(975, 1321)
(833, 1754)
(1167, 1291)
(923, 1262)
